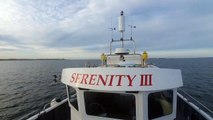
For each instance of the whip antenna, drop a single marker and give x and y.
(112, 32)
(131, 26)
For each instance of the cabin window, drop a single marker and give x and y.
(72, 95)
(160, 104)
(111, 105)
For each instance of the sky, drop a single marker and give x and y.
(79, 29)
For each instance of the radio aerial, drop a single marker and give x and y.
(131, 26)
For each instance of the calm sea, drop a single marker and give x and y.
(26, 86)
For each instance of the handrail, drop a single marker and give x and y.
(34, 117)
(195, 100)
(122, 41)
(195, 106)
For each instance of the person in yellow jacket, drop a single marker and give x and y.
(103, 59)
(144, 58)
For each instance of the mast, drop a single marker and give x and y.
(121, 29)
(121, 26)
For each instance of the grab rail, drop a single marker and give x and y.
(198, 109)
(122, 41)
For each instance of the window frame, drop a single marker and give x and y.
(104, 117)
(172, 104)
(68, 94)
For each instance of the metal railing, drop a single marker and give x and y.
(122, 40)
(195, 104)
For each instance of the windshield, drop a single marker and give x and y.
(160, 104)
(111, 105)
(72, 97)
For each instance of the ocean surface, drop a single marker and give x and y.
(27, 85)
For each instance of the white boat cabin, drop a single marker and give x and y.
(122, 93)
(124, 87)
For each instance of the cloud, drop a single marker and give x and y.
(75, 28)
(183, 53)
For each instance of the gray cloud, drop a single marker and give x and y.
(83, 25)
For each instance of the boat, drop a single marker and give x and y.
(124, 87)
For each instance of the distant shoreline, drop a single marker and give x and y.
(27, 59)
(13, 59)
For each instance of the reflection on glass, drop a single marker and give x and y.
(72, 97)
(160, 104)
(111, 105)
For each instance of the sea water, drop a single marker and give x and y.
(27, 85)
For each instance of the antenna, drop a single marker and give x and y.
(121, 26)
(112, 32)
(131, 26)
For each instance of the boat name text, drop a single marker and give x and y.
(111, 80)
